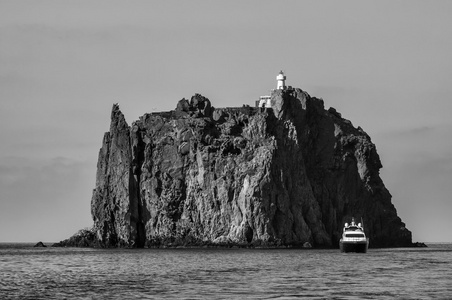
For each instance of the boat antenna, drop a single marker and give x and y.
(362, 223)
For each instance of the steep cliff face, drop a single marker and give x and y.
(285, 175)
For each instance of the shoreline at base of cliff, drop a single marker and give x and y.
(86, 238)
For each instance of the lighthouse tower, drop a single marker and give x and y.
(281, 79)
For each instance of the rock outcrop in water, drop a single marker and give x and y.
(83, 238)
(281, 176)
(40, 244)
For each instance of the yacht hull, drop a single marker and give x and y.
(351, 246)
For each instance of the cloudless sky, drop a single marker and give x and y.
(384, 65)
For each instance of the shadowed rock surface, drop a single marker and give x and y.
(282, 176)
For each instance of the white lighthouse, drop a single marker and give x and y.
(266, 101)
(281, 81)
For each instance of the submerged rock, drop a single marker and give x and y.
(282, 176)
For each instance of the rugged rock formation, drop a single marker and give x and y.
(83, 238)
(287, 175)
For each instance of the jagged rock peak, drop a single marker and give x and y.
(198, 106)
(117, 118)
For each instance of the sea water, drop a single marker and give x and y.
(206, 273)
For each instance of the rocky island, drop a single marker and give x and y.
(287, 172)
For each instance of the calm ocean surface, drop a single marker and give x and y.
(74, 273)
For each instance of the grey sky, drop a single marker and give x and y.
(385, 65)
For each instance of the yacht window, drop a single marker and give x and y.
(354, 235)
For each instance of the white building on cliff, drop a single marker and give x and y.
(265, 101)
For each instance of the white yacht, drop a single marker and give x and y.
(353, 238)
